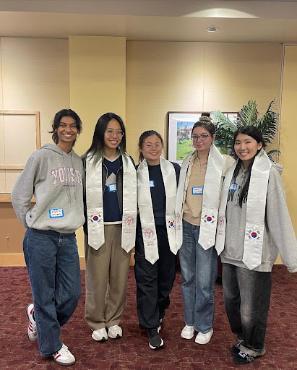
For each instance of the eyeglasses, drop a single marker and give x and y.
(201, 137)
(111, 132)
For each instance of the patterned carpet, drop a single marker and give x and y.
(132, 351)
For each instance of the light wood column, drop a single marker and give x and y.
(97, 67)
(288, 129)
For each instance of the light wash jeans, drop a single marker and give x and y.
(53, 265)
(199, 271)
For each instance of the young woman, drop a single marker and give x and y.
(53, 174)
(197, 208)
(155, 248)
(254, 226)
(111, 211)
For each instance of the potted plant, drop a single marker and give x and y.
(247, 116)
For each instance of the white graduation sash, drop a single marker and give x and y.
(255, 211)
(146, 208)
(94, 202)
(221, 227)
(129, 204)
(211, 197)
(180, 197)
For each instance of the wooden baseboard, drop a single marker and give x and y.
(12, 260)
(82, 263)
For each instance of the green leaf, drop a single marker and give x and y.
(224, 132)
(268, 124)
(248, 114)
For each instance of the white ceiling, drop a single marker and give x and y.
(169, 20)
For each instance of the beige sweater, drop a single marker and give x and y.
(195, 178)
(193, 202)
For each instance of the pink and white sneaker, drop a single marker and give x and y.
(32, 329)
(64, 356)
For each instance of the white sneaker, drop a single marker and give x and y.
(64, 356)
(115, 331)
(187, 332)
(100, 335)
(32, 329)
(204, 338)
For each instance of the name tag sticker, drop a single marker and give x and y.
(112, 188)
(197, 190)
(56, 213)
(152, 183)
(233, 187)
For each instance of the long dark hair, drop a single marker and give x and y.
(256, 134)
(97, 145)
(57, 120)
(144, 136)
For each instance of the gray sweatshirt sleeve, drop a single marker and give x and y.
(24, 189)
(279, 222)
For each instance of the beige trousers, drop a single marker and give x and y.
(106, 280)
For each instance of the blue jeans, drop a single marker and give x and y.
(199, 271)
(247, 298)
(53, 266)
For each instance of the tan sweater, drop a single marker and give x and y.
(194, 193)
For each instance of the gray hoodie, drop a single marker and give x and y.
(55, 179)
(279, 236)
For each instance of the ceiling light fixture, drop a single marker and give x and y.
(212, 29)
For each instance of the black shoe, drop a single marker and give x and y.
(155, 341)
(242, 358)
(235, 349)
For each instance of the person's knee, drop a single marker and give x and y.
(205, 283)
(75, 295)
(187, 272)
(188, 278)
(69, 298)
(247, 315)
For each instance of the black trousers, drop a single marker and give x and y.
(154, 282)
(247, 297)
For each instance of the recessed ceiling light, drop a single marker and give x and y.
(211, 29)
